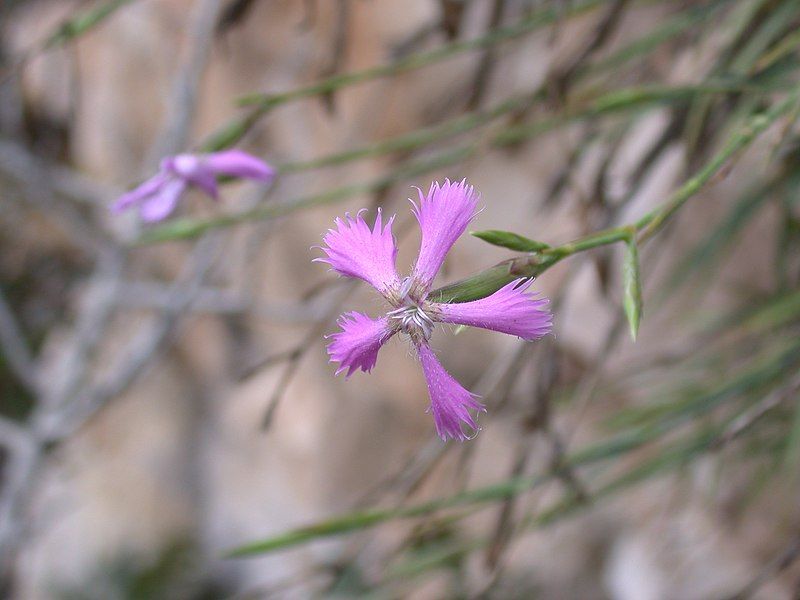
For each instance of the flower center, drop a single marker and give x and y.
(412, 320)
(410, 316)
(186, 165)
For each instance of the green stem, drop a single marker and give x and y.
(616, 101)
(423, 59)
(638, 49)
(81, 23)
(598, 453)
(190, 228)
(419, 138)
(604, 104)
(370, 518)
(261, 104)
(627, 99)
(763, 376)
(489, 281)
(531, 265)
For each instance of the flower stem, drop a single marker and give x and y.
(531, 265)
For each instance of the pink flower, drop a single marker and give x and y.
(355, 250)
(158, 196)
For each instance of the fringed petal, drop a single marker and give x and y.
(450, 403)
(509, 310)
(443, 216)
(356, 345)
(355, 250)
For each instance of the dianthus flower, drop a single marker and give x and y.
(158, 196)
(353, 249)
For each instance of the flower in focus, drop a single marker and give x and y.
(353, 249)
(157, 197)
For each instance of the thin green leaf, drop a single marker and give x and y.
(190, 228)
(632, 286)
(754, 379)
(83, 22)
(779, 20)
(719, 237)
(369, 518)
(535, 21)
(769, 314)
(357, 521)
(233, 131)
(512, 241)
(692, 17)
(674, 456)
(792, 453)
(649, 224)
(261, 104)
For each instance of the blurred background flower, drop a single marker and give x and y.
(158, 196)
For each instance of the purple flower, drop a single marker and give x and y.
(353, 249)
(158, 196)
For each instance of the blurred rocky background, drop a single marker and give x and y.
(168, 400)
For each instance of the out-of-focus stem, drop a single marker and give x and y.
(261, 104)
(423, 59)
(605, 104)
(82, 22)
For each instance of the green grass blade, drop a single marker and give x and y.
(82, 22)
(632, 286)
(512, 241)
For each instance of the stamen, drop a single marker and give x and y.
(397, 312)
(406, 288)
(413, 320)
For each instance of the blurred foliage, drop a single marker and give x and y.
(177, 572)
(739, 388)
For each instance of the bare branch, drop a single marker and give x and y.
(757, 412)
(294, 361)
(13, 435)
(46, 188)
(64, 181)
(773, 568)
(144, 347)
(15, 349)
(65, 408)
(183, 101)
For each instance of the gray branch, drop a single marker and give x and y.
(15, 349)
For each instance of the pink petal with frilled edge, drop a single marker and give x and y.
(443, 216)
(509, 310)
(355, 250)
(160, 205)
(141, 193)
(239, 164)
(356, 345)
(450, 403)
